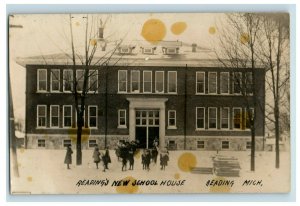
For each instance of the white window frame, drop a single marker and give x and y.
(51, 106)
(216, 83)
(147, 71)
(89, 82)
(203, 118)
(94, 127)
(81, 78)
(43, 143)
(65, 141)
(38, 80)
(51, 80)
(169, 82)
(37, 116)
(163, 82)
(139, 81)
(64, 106)
(241, 82)
(119, 71)
(228, 145)
(221, 83)
(119, 118)
(199, 83)
(175, 118)
(204, 145)
(241, 118)
(216, 118)
(64, 80)
(221, 118)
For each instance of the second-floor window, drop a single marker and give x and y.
(93, 81)
(80, 79)
(224, 118)
(147, 88)
(55, 80)
(135, 81)
(237, 82)
(237, 118)
(54, 116)
(92, 116)
(122, 81)
(67, 118)
(41, 116)
(224, 82)
(159, 82)
(172, 82)
(200, 117)
(68, 80)
(249, 83)
(212, 82)
(200, 82)
(42, 80)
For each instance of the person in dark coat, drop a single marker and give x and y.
(164, 158)
(144, 159)
(147, 159)
(68, 158)
(154, 154)
(96, 156)
(124, 154)
(131, 158)
(106, 159)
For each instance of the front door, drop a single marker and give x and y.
(147, 127)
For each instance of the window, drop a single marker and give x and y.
(92, 143)
(248, 145)
(172, 119)
(172, 82)
(237, 118)
(54, 116)
(67, 119)
(249, 82)
(124, 50)
(200, 117)
(67, 142)
(80, 79)
(249, 115)
(92, 116)
(148, 51)
(135, 81)
(224, 82)
(93, 81)
(122, 81)
(83, 116)
(41, 143)
(147, 81)
(212, 118)
(225, 118)
(42, 80)
(55, 80)
(200, 145)
(212, 82)
(122, 118)
(225, 144)
(68, 80)
(159, 82)
(200, 82)
(41, 116)
(237, 82)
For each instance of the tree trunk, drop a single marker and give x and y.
(78, 147)
(252, 148)
(277, 161)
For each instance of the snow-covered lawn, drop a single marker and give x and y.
(44, 172)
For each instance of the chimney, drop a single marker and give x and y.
(194, 47)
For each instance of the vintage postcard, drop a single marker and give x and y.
(149, 103)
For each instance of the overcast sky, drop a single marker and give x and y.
(47, 34)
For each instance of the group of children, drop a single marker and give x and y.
(104, 157)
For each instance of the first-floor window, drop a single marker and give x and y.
(248, 145)
(67, 142)
(41, 143)
(172, 118)
(212, 118)
(41, 115)
(92, 116)
(54, 118)
(200, 117)
(200, 144)
(249, 116)
(122, 118)
(237, 118)
(92, 143)
(224, 118)
(225, 144)
(67, 112)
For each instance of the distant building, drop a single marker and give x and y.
(178, 94)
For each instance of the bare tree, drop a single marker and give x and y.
(274, 54)
(237, 50)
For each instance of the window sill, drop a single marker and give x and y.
(42, 92)
(122, 127)
(200, 129)
(171, 127)
(41, 128)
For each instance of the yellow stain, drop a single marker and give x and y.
(85, 135)
(178, 27)
(212, 30)
(137, 154)
(22, 150)
(77, 23)
(93, 42)
(128, 189)
(244, 38)
(29, 179)
(154, 31)
(177, 176)
(222, 188)
(187, 161)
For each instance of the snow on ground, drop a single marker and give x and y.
(44, 172)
